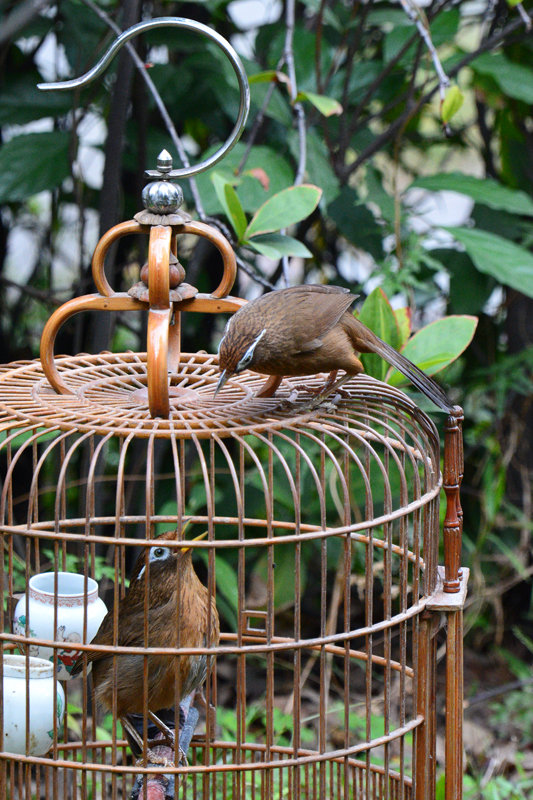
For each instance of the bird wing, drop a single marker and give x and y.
(317, 308)
(128, 633)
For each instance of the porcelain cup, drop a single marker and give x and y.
(34, 615)
(44, 705)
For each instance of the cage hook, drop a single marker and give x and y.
(190, 25)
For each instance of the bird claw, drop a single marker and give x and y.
(152, 759)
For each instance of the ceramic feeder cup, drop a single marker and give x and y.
(73, 603)
(45, 698)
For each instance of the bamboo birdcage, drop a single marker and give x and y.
(322, 554)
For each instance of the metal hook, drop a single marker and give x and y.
(187, 24)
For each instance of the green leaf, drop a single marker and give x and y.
(515, 80)
(22, 102)
(403, 320)
(268, 76)
(284, 589)
(438, 344)
(453, 101)
(227, 584)
(356, 222)
(32, 163)
(276, 245)
(377, 314)
(249, 191)
(284, 209)
(486, 191)
(319, 169)
(326, 105)
(506, 261)
(231, 204)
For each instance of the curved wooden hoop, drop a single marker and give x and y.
(198, 228)
(160, 311)
(89, 302)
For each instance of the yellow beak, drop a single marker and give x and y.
(196, 539)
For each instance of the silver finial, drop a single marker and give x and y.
(164, 161)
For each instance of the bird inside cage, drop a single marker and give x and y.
(167, 577)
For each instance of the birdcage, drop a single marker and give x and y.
(321, 555)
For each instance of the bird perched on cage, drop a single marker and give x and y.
(307, 329)
(180, 613)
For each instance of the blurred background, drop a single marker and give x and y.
(415, 122)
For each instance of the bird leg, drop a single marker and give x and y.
(329, 387)
(270, 386)
(170, 736)
(320, 390)
(151, 757)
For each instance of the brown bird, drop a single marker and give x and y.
(304, 330)
(178, 616)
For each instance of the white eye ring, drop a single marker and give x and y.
(247, 357)
(159, 553)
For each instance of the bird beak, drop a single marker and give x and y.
(196, 539)
(221, 381)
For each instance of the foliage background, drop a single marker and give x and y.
(439, 216)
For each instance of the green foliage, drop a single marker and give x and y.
(504, 260)
(353, 222)
(48, 155)
(452, 103)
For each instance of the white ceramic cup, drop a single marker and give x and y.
(72, 604)
(43, 705)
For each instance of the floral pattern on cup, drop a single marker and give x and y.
(77, 603)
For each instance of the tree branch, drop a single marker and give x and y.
(383, 138)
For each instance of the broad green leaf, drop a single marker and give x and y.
(513, 3)
(453, 101)
(227, 584)
(377, 314)
(319, 169)
(275, 246)
(404, 321)
(250, 191)
(284, 209)
(268, 76)
(515, 80)
(32, 163)
(326, 105)
(21, 101)
(230, 203)
(483, 190)
(356, 222)
(506, 261)
(438, 344)
(284, 589)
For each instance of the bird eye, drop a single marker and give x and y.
(159, 552)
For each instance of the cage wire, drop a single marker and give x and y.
(321, 555)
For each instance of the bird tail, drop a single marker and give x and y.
(423, 382)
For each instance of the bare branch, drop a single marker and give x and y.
(412, 109)
(416, 16)
(293, 91)
(526, 19)
(178, 144)
(21, 16)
